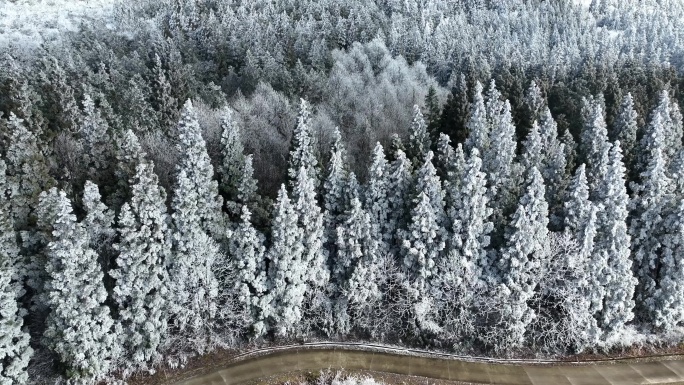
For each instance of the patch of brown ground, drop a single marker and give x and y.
(218, 359)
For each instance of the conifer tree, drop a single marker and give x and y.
(429, 183)
(376, 199)
(287, 269)
(164, 101)
(27, 173)
(419, 138)
(196, 166)
(668, 298)
(444, 161)
(233, 159)
(247, 256)
(421, 248)
(193, 283)
(594, 144)
(98, 222)
(94, 138)
(302, 153)
(334, 190)
(585, 287)
(581, 223)
(477, 126)
(128, 154)
(650, 204)
(455, 112)
(15, 351)
(314, 255)
(520, 260)
(400, 180)
(79, 329)
(353, 269)
(625, 130)
(657, 135)
(470, 221)
(534, 101)
(533, 149)
(612, 249)
(144, 250)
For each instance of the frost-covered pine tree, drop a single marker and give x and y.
(15, 351)
(400, 180)
(444, 160)
(144, 250)
(625, 130)
(334, 192)
(128, 154)
(581, 224)
(27, 173)
(422, 247)
(376, 198)
(80, 330)
(498, 163)
(657, 135)
(494, 105)
(428, 182)
(649, 208)
(419, 138)
(353, 270)
(477, 125)
(232, 158)
(612, 249)
(533, 149)
(310, 222)
(94, 137)
(302, 153)
(194, 287)
(247, 256)
(668, 298)
(594, 144)
(198, 172)
(98, 222)
(519, 262)
(470, 221)
(466, 269)
(534, 101)
(287, 272)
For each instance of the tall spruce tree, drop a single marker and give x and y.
(419, 138)
(144, 251)
(625, 130)
(580, 222)
(287, 269)
(302, 153)
(376, 198)
(649, 209)
(15, 351)
(247, 256)
(519, 262)
(612, 250)
(477, 126)
(79, 329)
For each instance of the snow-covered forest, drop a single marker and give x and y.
(500, 178)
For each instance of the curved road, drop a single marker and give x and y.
(314, 357)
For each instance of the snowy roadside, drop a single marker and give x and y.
(29, 23)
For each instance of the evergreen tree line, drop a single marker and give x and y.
(477, 247)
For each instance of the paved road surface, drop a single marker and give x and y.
(665, 371)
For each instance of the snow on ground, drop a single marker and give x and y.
(30, 22)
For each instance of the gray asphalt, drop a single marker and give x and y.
(663, 371)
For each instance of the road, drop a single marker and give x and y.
(666, 370)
